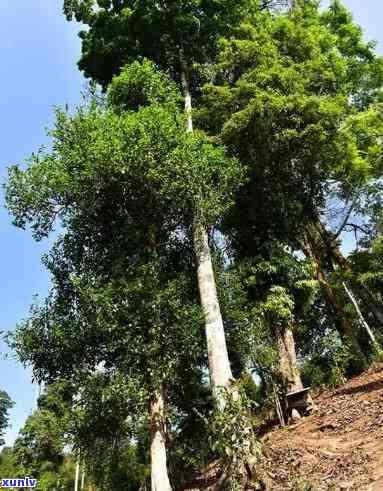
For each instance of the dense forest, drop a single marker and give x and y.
(216, 203)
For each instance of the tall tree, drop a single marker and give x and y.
(278, 293)
(125, 180)
(284, 102)
(39, 448)
(176, 36)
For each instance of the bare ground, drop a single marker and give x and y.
(340, 447)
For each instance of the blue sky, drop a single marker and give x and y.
(39, 50)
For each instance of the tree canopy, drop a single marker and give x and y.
(199, 274)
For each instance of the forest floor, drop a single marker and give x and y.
(339, 447)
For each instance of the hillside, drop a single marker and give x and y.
(340, 447)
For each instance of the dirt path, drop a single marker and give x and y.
(338, 448)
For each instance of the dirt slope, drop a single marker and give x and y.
(340, 447)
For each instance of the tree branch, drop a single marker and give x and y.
(345, 221)
(354, 227)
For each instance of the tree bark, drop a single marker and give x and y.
(288, 360)
(77, 475)
(368, 299)
(82, 487)
(344, 326)
(159, 472)
(188, 98)
(363, 292)
(335, 258)
(219, 365)
(362, 320)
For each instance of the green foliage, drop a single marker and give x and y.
(261, 297)
(126, 160)
(291, 99)
(62, 478)
(48, 481)
(5, 405)
(328, 365)
(8, 463)
(115, 461)
(280, 285)
(120, 32)
(364, 68)
(139, 85)
(200, 176)
(39, 447)
(367, 268)
(123, 297)
(364, 131)
(136, 172)
(329, 368)
(290, 122)
(231, 434)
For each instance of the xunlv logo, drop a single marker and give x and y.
(18, 483)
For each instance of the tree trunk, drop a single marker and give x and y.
(219, 365)
(363, 292)
(77, 475)
(343, 324)
(335, 258)
(188, 98)
(288, 360)
(362, 320)
(159, 472)
(83, 479)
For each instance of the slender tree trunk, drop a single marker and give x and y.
(219, 365)
(83, 479)
(366, 296)
(362, 320)
(77, 476)
(278, 408)
(344, 326)
(335, 257)
(159, 472)
(347, 328)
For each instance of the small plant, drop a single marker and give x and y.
(330, 365)
(231, 437)
(300, 484)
